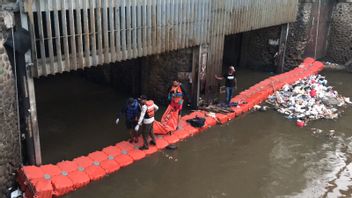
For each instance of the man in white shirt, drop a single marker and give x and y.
(148, 109)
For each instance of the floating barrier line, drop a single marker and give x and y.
(50, 180)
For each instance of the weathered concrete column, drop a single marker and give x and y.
(9, 134)
(340, 45)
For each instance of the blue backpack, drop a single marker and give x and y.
(132, 111)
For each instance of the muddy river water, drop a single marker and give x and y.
(260, 154)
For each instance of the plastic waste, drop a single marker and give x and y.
(308, 99)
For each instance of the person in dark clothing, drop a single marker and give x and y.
(131, 112)
(230, 83)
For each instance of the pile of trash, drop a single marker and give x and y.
(309, 99)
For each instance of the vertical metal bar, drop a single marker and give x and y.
(167, 24)
(118, 31)
(99, 32)
(140, 28)
(57, 37)
(87, 62)
(112, 31)
(45, 70)
(73, 37)
(150, 24)
(123, 29)
(134, 28)
(128, 28)
(53, 69)
(158, 23)
(65, 35)
(93, 33)
(145, 9)
(79, 34)
(176, 34)
(172, 24)
(106, 50)
(154, 27)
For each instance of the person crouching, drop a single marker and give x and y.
(148, 109)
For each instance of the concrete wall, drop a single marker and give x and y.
(340, 45)
(9, 135)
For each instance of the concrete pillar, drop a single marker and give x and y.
(9, 133)
(340, 43)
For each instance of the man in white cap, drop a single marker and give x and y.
(230, 83)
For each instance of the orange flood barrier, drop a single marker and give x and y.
(56, 180)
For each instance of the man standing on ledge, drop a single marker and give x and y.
(148, 110)
(230, 83)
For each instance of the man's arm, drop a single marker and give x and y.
(218, 77)
(141, 117)
(235, 83)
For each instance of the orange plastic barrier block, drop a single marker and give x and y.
(31, 172)
(124, 145)
(160, 142)
(110, 165)
(95, 172)
(238, 110)
(112, 151)
(79, 178)
(182, 134)
(50, 170)
(98, 156)
(68, 166)
(152, 149)
(137, 154)
(83, 161)
(42, 188)
(62, 184)
(124, 159)
(171, 139)
(222, 118)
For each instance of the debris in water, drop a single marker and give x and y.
(308, 99)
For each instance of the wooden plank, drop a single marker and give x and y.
(57, 38)
(49, 32)
(99, 32)
(123, 30)
(145, 9)
(112, 31)
(118, 28)
(128, 28)
(134, 28)
(80, 60)
(93, 33)
(105, 28)
(45, 70)
(73, 65)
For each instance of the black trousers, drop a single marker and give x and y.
(147, 130)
